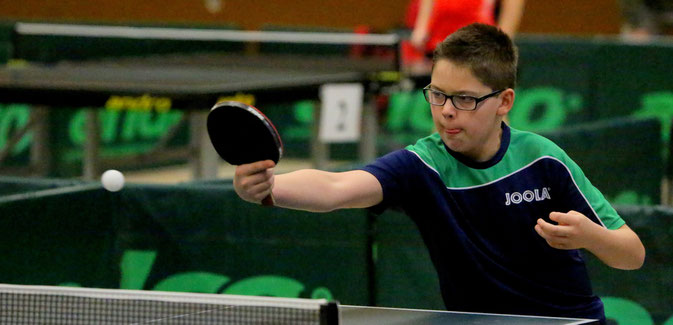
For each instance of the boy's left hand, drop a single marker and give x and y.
(574, 230)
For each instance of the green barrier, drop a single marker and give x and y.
(6, 46)
(6, 50)
(622, 157)
(191, 237)
(207, 236)
(594, 78)
(405, 277)
(562, 65)
(629, 75)
(60, 235)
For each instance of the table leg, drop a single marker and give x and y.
(367, 149)
(204, 160)
(40, 155)
(91, 160)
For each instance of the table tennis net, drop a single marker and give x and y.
(23, 304)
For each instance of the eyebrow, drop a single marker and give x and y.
(459, 93)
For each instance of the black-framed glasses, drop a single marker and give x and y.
(461, 102)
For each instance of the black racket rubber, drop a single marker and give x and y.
(241, 134)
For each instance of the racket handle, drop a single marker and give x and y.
(268, 201)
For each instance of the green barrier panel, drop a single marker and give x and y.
(563, 81)
(406, 277)
(556, 80)
(6, 46)
(196, 237)
(205, 235)
(6, 50)
(6, 30)
(622, 157)
(629, 75)
(59, 236)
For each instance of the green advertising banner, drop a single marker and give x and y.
(124, 130)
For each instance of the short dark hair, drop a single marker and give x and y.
(486, 50)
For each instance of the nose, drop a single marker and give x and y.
(448, 110)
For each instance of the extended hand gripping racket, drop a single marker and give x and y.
(241, 134)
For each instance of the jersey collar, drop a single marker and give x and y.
(469, 162)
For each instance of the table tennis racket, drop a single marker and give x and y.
(241, 134)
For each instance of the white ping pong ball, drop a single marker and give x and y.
(113, 180)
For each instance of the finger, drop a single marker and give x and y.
(255, 179)
(563, 218)
(254, 168)
(260, 191)
(550, 229)
(541, 232)
(246, 171)
(554, 242)
(267, 184)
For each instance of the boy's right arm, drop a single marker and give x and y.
(308, 189)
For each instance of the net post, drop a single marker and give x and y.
(329, 313)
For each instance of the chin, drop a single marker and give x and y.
(454, 145)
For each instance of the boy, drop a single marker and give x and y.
(502, 212)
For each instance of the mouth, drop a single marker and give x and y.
(452, 131)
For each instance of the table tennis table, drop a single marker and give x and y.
(359, 315)
(193, 82)
(28, 304)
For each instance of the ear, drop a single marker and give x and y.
(507, 101)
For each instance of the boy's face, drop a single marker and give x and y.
(475, 133)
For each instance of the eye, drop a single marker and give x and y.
(437, 96)
(464, 101)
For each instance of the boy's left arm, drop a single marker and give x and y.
(619, 248)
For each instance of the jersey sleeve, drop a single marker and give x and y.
(580, 189)
(393, 172)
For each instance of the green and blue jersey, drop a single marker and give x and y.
(477, 220)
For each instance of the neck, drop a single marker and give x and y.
(492, 145)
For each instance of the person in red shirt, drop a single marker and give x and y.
(436, 19)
